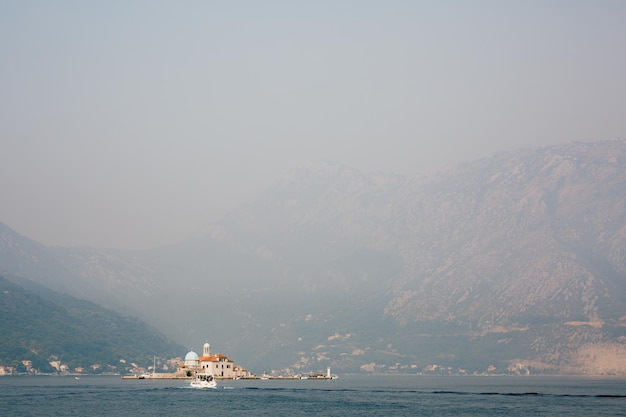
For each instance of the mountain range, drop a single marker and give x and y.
(515, 263)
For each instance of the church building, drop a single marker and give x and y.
(218, 365)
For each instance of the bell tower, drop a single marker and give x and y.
(206, 350)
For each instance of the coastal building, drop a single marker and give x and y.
(218, 365)
(191, 359)
(6, 370)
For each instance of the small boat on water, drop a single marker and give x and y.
(203, 381)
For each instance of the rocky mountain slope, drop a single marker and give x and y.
(545, 232)
(513, 263)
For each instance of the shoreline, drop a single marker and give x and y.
(221, 378)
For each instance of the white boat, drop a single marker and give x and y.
(204, 381)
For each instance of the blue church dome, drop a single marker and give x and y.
(191, 356)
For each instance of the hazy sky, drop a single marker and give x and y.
(132, 124)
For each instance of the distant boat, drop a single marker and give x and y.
(76, 377)
(204, 381)
(149, 375)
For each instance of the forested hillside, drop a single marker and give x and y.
(43, 326)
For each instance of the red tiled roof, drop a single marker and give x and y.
(214, 358)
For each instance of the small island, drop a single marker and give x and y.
(218, 365)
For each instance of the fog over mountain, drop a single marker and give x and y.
(512, 263)
(135, 124)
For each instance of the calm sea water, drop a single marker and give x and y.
(347, 396)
